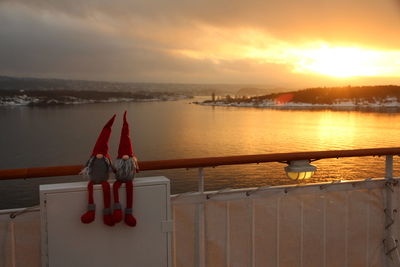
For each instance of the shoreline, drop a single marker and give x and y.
(69, 100)
(308, 106)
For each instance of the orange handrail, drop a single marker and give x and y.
(26, 173)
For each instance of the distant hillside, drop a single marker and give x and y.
(332, 95)
(63, 97)
(17, 83)
(357, 96)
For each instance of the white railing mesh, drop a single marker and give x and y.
(339, 225)
(335, 225)
(20, 240)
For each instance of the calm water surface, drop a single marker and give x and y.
(65, 135)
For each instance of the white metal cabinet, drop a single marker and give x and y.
(68, 242)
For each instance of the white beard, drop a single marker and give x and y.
(125, 168)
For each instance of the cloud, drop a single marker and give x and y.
(61, 46)
(292, 20)
(182, 41)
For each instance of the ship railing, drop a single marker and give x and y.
(352, 223)
(201, 163)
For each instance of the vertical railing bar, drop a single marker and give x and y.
(395, 209)
(389, 167)
(13, 245)
(252, 248)
(277, 231)
(200, 253)
(173, 235)
(368, 225)
(324, 232)
(199, 236)
(204, 232)
(228, 238)
(346, 230)
(301, 231)
(388, 212)
(201, 180)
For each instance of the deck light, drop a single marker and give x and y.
(300, 170)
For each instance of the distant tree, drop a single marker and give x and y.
(329, 95)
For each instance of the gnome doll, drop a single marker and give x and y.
(126, 166)
(98, 168)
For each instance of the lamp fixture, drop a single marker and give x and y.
(300, 170)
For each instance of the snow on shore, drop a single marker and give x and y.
(389, 102)
(24, 100)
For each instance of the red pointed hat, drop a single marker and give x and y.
(101, 146)
(125, 144)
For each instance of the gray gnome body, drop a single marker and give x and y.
(99, 169)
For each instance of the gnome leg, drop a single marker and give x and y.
(117, 213)
(89, 215)
(107, 216)
(129, 219)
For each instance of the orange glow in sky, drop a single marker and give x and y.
(330, 60)
(311, 57)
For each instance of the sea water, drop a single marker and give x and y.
(65, 135)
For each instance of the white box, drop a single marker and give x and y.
(66, 241)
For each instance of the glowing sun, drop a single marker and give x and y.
(345, 62)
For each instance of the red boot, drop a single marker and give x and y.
(117, 213)
(107, 217)
(129, 219)
(89, 216)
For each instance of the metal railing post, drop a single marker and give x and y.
(389, 241)
(200, 226)
(389, 167)
(201, 180)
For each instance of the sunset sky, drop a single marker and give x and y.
(278, 43)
